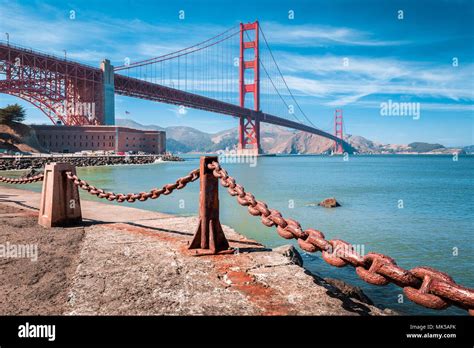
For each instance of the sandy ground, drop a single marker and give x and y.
(36, 287)
(127, 261)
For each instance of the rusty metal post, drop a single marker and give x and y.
(209, 237)
(60, 204)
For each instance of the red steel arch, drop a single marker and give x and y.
(65, 91)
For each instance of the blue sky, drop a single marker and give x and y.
(403, 60)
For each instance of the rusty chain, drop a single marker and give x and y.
(27, 180)
(132, 197)
(425, 286)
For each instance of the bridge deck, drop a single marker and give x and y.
(132, 87)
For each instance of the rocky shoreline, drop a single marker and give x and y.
(38, 162)
(127, 261)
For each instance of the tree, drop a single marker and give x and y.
(12, 113)
(9, 139)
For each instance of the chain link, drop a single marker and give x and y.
(423, 285)
(27, 180)
(132, 197)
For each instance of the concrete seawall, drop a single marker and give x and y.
(128, 261)
(38, 162)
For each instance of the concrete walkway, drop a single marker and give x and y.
(136, 262)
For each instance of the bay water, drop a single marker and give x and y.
(416, 209)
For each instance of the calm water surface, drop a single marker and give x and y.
(436, 219)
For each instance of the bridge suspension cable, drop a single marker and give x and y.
(184, 51)
(206, 68)
(280, 75)
(210, 68)
(273, 84)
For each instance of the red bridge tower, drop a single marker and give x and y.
(249, 129)
(338, 131)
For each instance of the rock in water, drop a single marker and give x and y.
(291, 253)
(349, 290)
(329, 203)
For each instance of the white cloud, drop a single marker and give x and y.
(424, 105)
(318, 35)
(326, 77)
(87, 55)
(90, 37)
(179, 111)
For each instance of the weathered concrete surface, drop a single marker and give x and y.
(136, 262)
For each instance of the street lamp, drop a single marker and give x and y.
(8, 38)
(65, 53)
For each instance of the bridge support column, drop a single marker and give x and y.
(249, 129)
(209, 237)
(108, 93)
(60, 204)
(249, 136)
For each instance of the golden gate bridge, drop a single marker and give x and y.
(234, 73)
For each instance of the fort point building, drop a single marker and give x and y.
(70, 139)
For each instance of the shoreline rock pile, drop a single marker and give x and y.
(17, 163)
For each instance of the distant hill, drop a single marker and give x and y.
(279, 140)
(300, 142)
(175, 146)
(424, 147)
(190, 137)
(469, 149)
(125, 122)
(362, 144)
(274, 139)
(181, 139)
